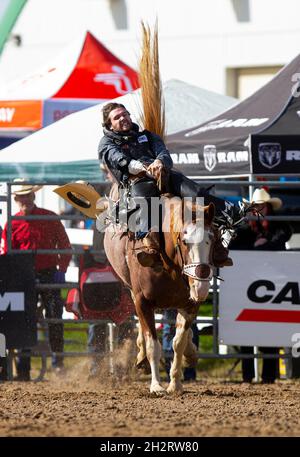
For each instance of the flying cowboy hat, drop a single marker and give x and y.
(82, 196)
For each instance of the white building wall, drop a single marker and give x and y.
(199, 39)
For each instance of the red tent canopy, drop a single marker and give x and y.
(98, 74)
(84, 74)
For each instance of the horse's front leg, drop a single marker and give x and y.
(153, 349)
(179, 346)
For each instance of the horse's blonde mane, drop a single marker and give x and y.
(177, 212)
(176, 222)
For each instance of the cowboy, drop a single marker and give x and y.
(141, 158)
(50, 268)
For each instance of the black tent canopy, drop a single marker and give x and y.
(260, 135)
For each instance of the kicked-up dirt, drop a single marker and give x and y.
(74, 406)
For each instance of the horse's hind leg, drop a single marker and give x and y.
(141, 360)
(190, 355)
(153, 349)
(180, 342)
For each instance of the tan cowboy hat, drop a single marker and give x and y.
(260, 195)
(24, 189)
(82, 196)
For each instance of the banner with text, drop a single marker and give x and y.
(18, 301)
(260, 299)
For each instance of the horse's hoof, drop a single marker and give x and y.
(175, 388)
(157, 389)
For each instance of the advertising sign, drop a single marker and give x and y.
(260, 299)
(56, 109)
(17, 301)
(275, 154)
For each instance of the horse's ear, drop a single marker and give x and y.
(209, 213)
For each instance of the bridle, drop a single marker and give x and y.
(198, 271)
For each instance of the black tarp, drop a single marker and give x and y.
(265, 126)
(18, 301)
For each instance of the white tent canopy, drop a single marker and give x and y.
(67, 149)
(188, 105)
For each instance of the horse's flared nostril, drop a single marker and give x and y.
(202, 271)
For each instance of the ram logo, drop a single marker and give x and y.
(210, 156)
(269, 154)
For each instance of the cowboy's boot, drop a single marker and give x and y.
(149, 256)
(220, 256)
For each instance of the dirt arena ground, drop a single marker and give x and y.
(74, 406)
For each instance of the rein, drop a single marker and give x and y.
(178, 249)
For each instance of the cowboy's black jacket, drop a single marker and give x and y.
(144, 146)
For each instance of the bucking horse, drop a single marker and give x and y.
(188, 245)
(182, 284)
(187, 238)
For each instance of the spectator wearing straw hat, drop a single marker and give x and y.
(263, 235)
(50, 268)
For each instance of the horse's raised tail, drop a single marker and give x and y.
(153, 115)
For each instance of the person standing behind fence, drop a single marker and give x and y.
(262, 235)
(49, 268)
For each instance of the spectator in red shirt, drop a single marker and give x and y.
(50, 268)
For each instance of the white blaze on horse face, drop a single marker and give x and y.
(198, 241)
(193, 233)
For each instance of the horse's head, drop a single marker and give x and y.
(194, 245)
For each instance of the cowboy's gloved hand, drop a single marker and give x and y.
(59, 277)
(156, 168)
(135, 167)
